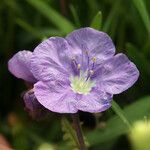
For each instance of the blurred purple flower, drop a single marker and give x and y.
(19, 66)
(79, 72)
(32, 106)
(30, 101)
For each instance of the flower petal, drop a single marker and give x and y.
(18, 65)
(95, 101)
(117, 74)
(49, 59)
(92, 42)
(55, 97)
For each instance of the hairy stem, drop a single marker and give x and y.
(77, 127)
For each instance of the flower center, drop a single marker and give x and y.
(81, 85)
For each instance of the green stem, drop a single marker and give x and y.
(116, 108)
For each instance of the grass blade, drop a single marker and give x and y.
(140, 5)
(75, 16)
(97, 21)
(53, 16)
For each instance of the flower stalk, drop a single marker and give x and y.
(77, 127)
(116, 108)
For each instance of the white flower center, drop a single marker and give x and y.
(81, 85)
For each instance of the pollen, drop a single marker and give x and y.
(78, 66)
(94, 59)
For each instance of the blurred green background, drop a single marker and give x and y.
(25, 23)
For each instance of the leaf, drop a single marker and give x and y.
(52, 15)
(97, 21)
(112, 16)
(75, 16)
(38, 33)
(28, 28)
(115, 127)
(14, 6)
(140, 5)
(69, 134)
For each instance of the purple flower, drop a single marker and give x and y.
(79, 72)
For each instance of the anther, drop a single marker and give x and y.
(78, 66)
(94, 59)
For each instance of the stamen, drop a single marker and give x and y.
(91, 72)
(79, 85)
(74, 61)
(88, 58)
(94, 59)
(78, 66)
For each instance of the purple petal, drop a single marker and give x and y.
(117, 74)
(49, 58)
(95, 101)
(18, 65)
(56, 98)
(92, 43)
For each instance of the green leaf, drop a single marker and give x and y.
(97, 21)
(75, 16)
(112, 16)
(52, 15)
(28, 28)
(115, 127)
(14, 6)
(140, 5)
(39, 33)
(69, 134)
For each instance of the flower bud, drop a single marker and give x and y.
(33, 107)
(140, 135)
(30, 101)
